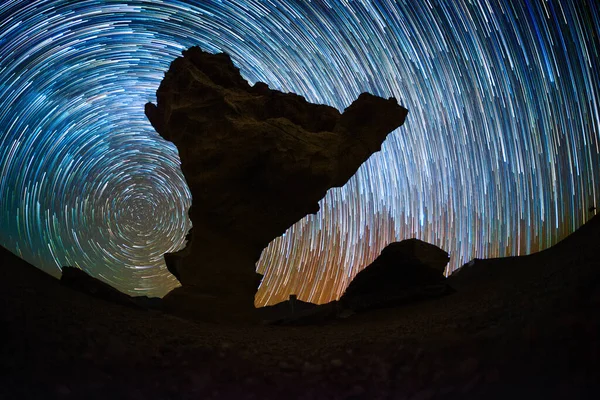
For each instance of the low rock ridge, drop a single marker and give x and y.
(81, 281)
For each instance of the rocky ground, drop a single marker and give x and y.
(524, 327)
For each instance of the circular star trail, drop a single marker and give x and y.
(500, 154)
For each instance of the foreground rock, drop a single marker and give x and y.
(257, 161)
(405, 271)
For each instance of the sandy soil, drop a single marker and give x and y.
(526, 327)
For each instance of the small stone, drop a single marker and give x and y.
(136, 394)
(313, 368)
(63, 390)
(198, 380)
(337, 362)
(492, 376)
(595, 296)
(423, 369)
(472, 384)
(425, 394)
(531, 333)
(285, 366)
(439, 376)
(446, 390)
(469, 366)
(357, 390)
(418, 354)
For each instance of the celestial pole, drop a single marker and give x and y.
(500, 153)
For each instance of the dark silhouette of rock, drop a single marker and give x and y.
(256, 161)
(285, 309)
(318, 315)
(148, 303)
(22, 273)
(581, 248)
(78, 279)
(405, 271)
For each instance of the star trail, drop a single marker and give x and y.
(500, 153)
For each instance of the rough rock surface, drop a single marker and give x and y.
(405, 271)
(256, 161)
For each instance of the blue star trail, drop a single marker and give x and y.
(500, 154)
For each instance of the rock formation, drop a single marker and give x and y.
(578, 249)
(256, 161)
(404, 271)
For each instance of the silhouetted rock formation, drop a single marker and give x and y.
(581, 248)
(257, 161)
(405, 271)
(79, 280)
(21, 272)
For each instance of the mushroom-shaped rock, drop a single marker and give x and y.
(256, 161)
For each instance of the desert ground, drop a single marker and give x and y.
(521, 327)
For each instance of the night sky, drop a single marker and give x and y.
(500, 153)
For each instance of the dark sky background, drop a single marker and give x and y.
(500, 154)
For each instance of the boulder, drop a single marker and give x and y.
(256, 161)
(404, 272)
